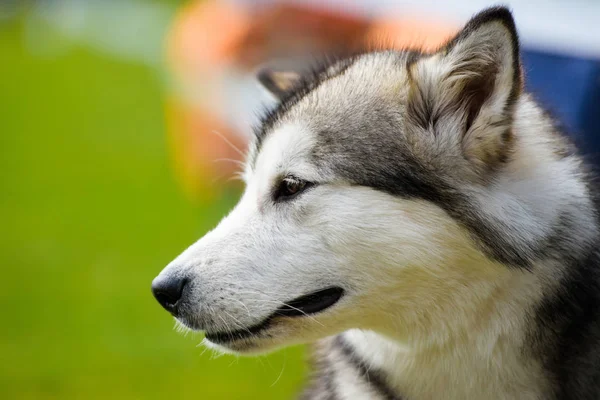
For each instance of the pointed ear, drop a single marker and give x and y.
(278, 82)
(471, 85)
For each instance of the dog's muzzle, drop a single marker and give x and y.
(302, 306)
(170, 291)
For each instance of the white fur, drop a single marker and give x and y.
(422, 301)
(415, 277)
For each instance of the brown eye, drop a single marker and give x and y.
(290, 187)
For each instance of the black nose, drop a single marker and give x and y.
(168, 291)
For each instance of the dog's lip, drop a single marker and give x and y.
(305, 305)
(311, 303)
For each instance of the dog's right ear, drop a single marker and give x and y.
(279, 83)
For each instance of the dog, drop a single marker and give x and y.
(420, 220)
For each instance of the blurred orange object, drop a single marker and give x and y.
(205, 34)
(411, 33)
(213, 50)
(203, 40)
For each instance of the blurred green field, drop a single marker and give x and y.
(90, 214)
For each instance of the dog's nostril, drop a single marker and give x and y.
(168, 292)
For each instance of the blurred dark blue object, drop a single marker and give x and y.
(570, 89)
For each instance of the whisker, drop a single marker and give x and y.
(228, 329)
(275, 301)
(238, 162)
(236, 177)
(243, 305)
(282, 369)
(234, 147)
(237, 322)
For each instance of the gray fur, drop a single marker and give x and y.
(364, 139)
(470, 202)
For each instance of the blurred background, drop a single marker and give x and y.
(121, 126)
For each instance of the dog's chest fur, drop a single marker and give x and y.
(364, 365)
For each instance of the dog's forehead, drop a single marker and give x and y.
(357, 93)
(358, 110)
(371, 78)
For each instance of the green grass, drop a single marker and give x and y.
(90, 214)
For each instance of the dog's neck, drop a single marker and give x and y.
(462, 372)
(486, 357)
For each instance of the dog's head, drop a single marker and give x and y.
(369, 200)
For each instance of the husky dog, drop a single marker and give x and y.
(421, 219)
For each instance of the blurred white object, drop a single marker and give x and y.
(570, 27)
(130, 29)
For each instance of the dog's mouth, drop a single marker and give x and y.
(311, 303)
(306, 305)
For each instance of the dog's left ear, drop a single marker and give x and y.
(469, 87)
(279, 83)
